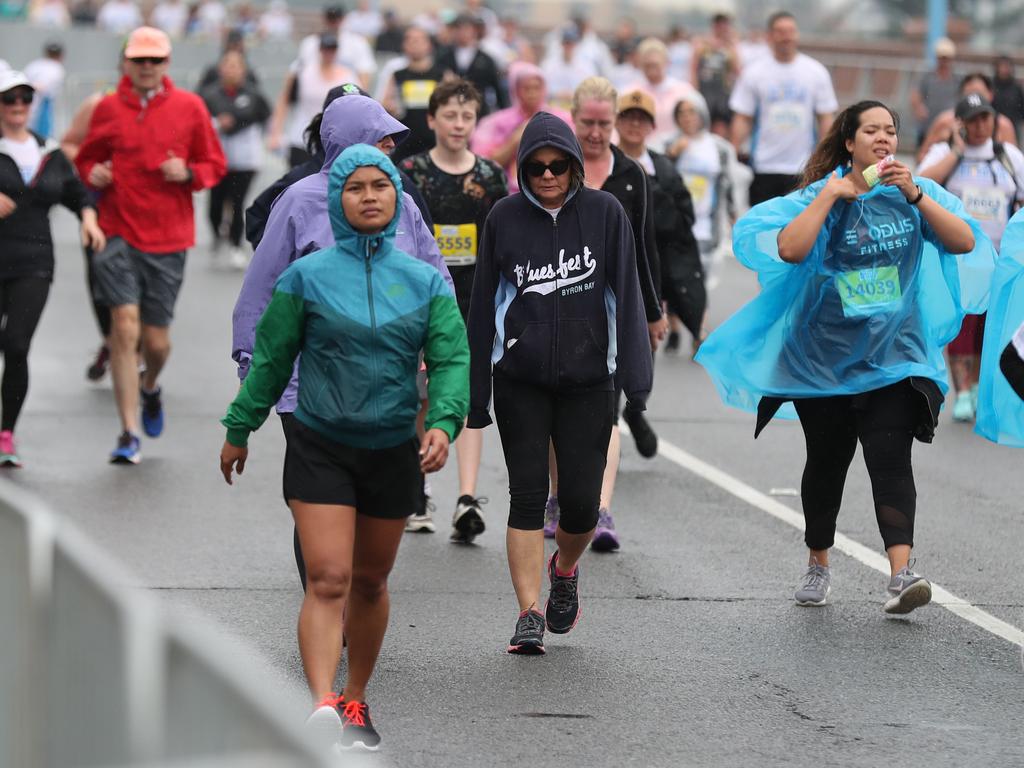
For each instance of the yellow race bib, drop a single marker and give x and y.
(416, 93)
(457, 243)
(697, 186)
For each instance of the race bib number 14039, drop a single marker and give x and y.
(869, 291)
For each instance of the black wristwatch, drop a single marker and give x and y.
(920, 194)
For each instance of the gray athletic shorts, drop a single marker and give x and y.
(124, 275)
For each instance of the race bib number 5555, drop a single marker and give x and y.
(457, 243)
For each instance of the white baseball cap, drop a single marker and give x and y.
(945, 48)
(12, 78)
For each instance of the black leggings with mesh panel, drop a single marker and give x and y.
(884, 422)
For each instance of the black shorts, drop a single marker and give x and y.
(384, 483)
(462, 276)
(125, 275)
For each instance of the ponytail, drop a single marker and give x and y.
(831, 151)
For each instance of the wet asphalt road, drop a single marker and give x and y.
(690, 651)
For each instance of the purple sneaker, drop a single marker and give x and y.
(605, 538)
(550, 517)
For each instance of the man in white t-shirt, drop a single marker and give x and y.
(276, 23)
(364, 20)
(354, 51)
(987, 176)
(567, 70)
(783, 105)
(170, 16)
(119, 17)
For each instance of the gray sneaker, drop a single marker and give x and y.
(815, 586)
(907, 591)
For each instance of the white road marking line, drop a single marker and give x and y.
(844, 544)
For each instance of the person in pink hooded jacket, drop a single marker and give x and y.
(497, 136)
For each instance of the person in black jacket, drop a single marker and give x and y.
(682, 277)
(239, 111)
(256, 215)
(35, 175)
(1007, 94)
(608, 168)
(556, 314)
(466, 60)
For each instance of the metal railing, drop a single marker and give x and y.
(94, 672)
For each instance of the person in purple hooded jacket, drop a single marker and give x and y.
(299, 224)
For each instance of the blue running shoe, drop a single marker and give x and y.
(152, 413)
(127, 450)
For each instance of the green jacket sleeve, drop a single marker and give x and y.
(278, 342)
(447, 356)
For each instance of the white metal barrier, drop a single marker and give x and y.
(96, 673)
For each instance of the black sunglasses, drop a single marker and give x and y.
(154, 60)
(13, 96)
(536, 168)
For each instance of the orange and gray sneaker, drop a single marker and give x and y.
(325, 723)
(357, 731)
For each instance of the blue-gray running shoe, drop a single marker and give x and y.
(815, 586)
(907, 591)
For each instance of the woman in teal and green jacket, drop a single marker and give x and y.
(359, 313)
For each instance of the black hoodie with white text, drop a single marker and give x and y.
(556, 298)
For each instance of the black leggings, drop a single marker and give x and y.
(101, 311)
(233, 188)
(21, 305)
(883, 421)
(579, 425)
(1013, 369)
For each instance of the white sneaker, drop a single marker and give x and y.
(420, 523)
(238, 259)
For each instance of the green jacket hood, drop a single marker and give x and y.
(353, 158)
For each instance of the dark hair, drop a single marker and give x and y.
(314, 145)
(976, 76)
(831, 151)
(721, 17)
(462, 90)
(779, 16)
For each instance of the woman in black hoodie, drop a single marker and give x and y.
(556, 310)
(34, 176)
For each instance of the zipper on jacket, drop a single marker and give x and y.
(554, 331)
(373, 333)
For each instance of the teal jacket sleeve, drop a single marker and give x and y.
(446, 353)
(278, 342)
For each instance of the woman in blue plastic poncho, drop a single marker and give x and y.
(861, 288)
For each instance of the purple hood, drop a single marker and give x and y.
(299, 225)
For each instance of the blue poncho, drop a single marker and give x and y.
(1000, 416)
(873, 303)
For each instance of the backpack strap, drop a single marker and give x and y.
(1004, 160)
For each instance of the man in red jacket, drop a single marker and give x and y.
(149, 147)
